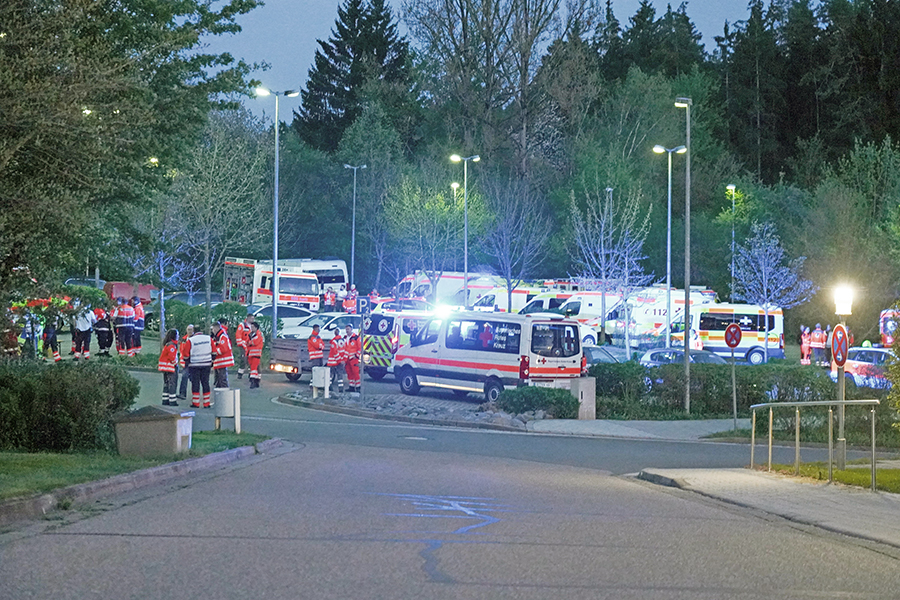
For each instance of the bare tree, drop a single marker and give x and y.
(764, 276)
(610, 235)
(517, 232)
(221, 193)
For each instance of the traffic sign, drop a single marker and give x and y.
(840, 343)
(733, 335)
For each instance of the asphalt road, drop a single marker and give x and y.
(356, 508)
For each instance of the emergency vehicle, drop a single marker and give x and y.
(385, 334)
(710, 321)
(478, 352)
(497, 299)
(450, 287)
(331, 272)
(647, 315)
(887, 326)
(548, 301)
(250, 281)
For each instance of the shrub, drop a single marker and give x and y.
(624, 381)
(61, 407)
(557, 403)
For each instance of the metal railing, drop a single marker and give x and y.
(830, 404)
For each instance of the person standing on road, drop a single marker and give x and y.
(241, 334)
(353, 351)
(330, 299)
(138, 324)
(316, 347)
(254, 353)
(184, 361)
(104, 331)
(123, 319)
(223, 357)
(804, 346)
(336, 358)
(83, 322)
(199, 359)
(50, 341)
(168, 366)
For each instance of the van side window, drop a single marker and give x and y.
(484, 335)
(427, 334)
(556, 302)
(554, 339)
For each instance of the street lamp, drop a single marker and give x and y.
(731, 188)
(465, 161)
(843, 300)
(678, 150)
(261, 91)
(353, 230)
(686, 103)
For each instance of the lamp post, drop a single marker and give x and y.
(669, 151)
(465, 160)
(686, 103)
(731, 188)
(455, 187)
(353, 230)
(843, 300)
(261, 91)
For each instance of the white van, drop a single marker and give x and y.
(478, 352)
(546, 302)
(710, 321)
(497, 299)
(585, 306)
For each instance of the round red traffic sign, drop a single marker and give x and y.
(840, 343)
(733, 335)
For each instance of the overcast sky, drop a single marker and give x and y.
(283, 33)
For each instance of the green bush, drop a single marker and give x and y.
(63, 406)
(557, 403)
(624, 381)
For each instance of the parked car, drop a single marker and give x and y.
(86, 281)
(290, 316)
(604, 355)
(195, 299)
(327, 323)
(865, 367)
(665, 356)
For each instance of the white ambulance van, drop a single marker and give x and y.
(497, 299)
(710, 321)
(480, 352)
(546, 302)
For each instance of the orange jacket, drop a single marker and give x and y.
(336, 354)
(184, 347)
(254, 345)
(223, 357)
(168, 357)
(241, 333)
(316, 347)
(352, 348)
(818, 338)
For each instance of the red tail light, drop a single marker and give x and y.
(524, 367)
(395, 343)
(583, 364)
(781, 341)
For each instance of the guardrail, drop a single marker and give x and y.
(772, 405)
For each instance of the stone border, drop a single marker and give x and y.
(356, 412)
(18, 509)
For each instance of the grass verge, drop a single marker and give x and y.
(886, 480)
(24, 474)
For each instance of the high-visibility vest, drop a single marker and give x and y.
(200, 350)
(241, 334)
(254, 345)
(222, 354)
(139, 316)
(817, 339)
(168, 357)
(352, 347)
(336, 351)
(316, 347)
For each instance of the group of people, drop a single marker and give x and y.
(343, 298)
(344, 354)
(198, 355)
(815, 345)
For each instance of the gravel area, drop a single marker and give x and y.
(424, 407)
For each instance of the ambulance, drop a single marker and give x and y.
(449, 289)
(250, 281)
(384, 334)
(486, 352)
(546, 302)
(710, 321)
(497, 299)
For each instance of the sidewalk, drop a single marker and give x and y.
(841, 509)
(686, 430)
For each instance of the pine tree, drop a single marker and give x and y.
(363, 58)
(679, 47)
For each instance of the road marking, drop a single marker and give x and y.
(414, 437)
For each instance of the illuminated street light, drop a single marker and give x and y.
(261, 91)
(669, 151)
(465, 161)
(843, 301)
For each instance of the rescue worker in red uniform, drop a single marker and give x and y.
(167, 365)
(123, 319)
(104, 331)
(353, 352)
(199, 360)
(330, 300)
(349, 305)
(817, 343)
(254, 353)
(316, 347)
(336, 359)
(805, 339)
(240, 335)
(83, 321)
(184, 349)
(138, 324)
(223, 357)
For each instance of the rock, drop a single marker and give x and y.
(539, 414)
(520, 424)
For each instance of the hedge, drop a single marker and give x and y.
(60, 407)
(557, 403)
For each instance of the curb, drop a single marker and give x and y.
(356, 412)
(30, 507)
(659, 479)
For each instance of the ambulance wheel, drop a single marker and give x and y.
(756, 357)
(292, 376)
(492, 390)
(408, 383)
(376, 374)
